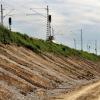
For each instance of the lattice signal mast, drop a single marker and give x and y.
(50, 37)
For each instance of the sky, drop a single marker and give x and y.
(68, 18)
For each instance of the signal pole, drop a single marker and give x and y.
(81, 40)
(2, 14)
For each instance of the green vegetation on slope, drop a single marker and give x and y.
(37, 45)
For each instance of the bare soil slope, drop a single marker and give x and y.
(25, 75)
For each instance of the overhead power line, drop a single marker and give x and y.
(38, 13)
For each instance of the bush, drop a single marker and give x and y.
(64, 49)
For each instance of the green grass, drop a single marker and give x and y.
(38, 45)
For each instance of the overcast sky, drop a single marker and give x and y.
(68, 17)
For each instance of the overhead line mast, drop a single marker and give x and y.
(2, 14)
(81, 40)
(47, 22)
(96, 51)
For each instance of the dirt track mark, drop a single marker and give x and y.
(90, 92)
